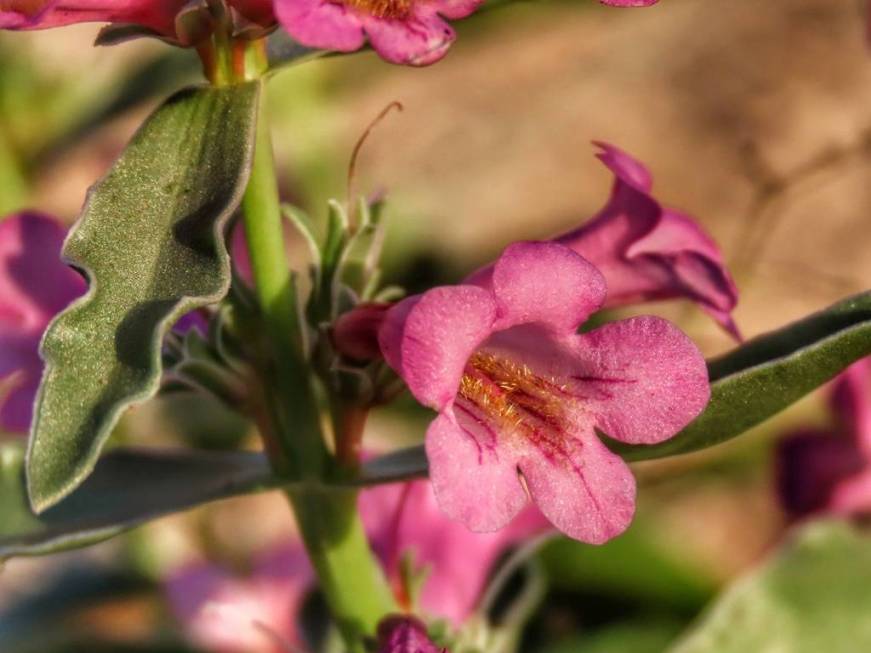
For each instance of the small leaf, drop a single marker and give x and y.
(811, 597)
(128, 487)
(150, 239)
(767, 374)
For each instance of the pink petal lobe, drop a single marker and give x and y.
(851, 403)
(587, 492)
(404, 634)
(626, 168)
(646, 378)
(427, 339)
(418, 40)
(546, 283)
(474, 480)
(455, 9)
(321, 24)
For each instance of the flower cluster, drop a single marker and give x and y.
(411, 32)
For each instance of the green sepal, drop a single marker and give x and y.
(150, 239)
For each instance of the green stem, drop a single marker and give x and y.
(349, 574)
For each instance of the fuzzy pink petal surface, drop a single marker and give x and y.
(587, 492)
(475, 481)
(546, 283)
(427, 339)
(321, 24)
(418, 40)
(35, 285)
(158, 15)
(650, 379)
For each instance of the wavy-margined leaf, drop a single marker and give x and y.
(811, 597)
(150, 240)
(767, 374)
(132, 486)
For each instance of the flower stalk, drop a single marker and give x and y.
(348, 573)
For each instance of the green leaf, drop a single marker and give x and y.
(150, 239)
(767, 374)
(131, 486)
(813, 596)
(128, 487)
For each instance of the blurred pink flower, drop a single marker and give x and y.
(404, 634)
(404, 519)
(413, 32)
(829, 471)
(520, 394)
(34, 286)
(225, 613)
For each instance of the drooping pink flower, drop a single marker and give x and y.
(647, 252)
(650, 252)
(405, 634)
(829, 471)
(34, 286)
(403, 519)
(520, 395)
(225, 613)
(413, 32)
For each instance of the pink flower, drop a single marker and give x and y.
(404, 634)
(403, 519)
(829, 471)
(648, 252)
(229, 614)
(156, 15)
(34, 286)
(520, 394)
(413, 32)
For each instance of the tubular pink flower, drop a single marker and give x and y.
(405, 634)
(224, 613)
(34, 286)
(404, 519)
(648, 252)
(822, 471)
(520, 394)
(156, 15)
(412, 32)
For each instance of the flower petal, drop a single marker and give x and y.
(321, 24)
(418, 40)
(474, 480)
(645, 379)
(404, 634)
(158, 15)
(545, 283)
(626, 168)
(588, 494)
(427, 339)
